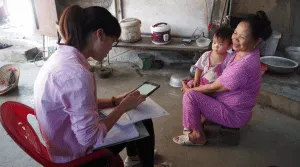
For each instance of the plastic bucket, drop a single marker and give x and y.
(268, 47)
(145, 61)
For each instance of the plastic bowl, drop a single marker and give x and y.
(203, 42)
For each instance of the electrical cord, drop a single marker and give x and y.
(40, 57)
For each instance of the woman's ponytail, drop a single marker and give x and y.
(71, 25)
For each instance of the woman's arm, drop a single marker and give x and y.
(211, 88)
(105, 103)
(130, 101)
(111, 102)
(113, 117)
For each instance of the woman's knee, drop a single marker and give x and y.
(191, 95)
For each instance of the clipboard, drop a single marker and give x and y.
(142, 131)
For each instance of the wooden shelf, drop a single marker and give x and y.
(175, 45)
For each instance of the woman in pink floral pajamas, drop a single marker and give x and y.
(237, 87)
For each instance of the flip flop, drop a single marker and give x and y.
(186, 131)
(185, 141)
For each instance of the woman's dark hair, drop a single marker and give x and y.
(76, 24)
(260, 25)
(224, 33)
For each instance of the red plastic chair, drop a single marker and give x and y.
(13, 116)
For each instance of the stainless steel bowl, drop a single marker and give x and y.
(279, 64)
(176, 80)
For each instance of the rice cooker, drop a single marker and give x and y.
(131, 31)
(161, 33)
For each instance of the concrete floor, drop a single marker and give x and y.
(283, 85)
(269, 139)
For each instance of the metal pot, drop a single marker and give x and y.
(279, 64)
(176, 80)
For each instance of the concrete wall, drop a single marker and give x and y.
(295, 6)
(279, 11)
(184, 16)
(108, 4)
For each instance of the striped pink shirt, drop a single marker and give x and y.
(66, 106)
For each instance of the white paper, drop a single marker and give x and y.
(118, 134)
(146, 110)
(142, 131)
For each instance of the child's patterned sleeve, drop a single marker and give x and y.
(202, 62)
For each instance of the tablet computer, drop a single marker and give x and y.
(147, 88)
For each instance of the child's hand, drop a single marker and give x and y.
(186, 80)
(196, 83)
(184, 87)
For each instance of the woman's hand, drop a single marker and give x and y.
(131, 100)
(184, 88)
(119, 98)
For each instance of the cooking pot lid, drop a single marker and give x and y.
(128, 22)
(161, 25)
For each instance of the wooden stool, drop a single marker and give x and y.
(225, 135)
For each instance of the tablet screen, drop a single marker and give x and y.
(146, 88)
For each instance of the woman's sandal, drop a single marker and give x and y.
(186, 131)
(185, 141)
